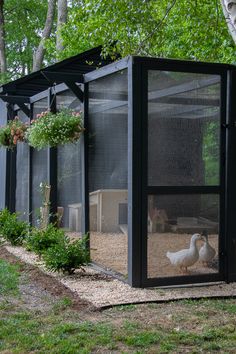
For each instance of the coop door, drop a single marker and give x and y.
(184, 177)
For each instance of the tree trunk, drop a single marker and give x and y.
(39, 54)
(61, 20)
(229, 10)
(3, 63)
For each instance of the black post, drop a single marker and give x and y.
(134, 173)
(231, 178)
(11, 169)
(84, 143)
(3, 158)
(30, 168)
(52, 162)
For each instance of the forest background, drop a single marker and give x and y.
(37, 33)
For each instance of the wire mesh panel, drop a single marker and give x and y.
(39, 168)
(69, 173)
(108, 171)
(183, 151)
(183, 129)
(22, 175)
(172, 221)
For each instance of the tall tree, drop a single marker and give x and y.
(61, 20)
(193, 30)
(3, 62)
(40, 52)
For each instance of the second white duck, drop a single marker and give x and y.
(206, 252)
(186, 257)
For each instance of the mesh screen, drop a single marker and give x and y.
(22, 175)
(108, 171)
(172, 220)
(39, 167)
(69, 172)
(183, 128)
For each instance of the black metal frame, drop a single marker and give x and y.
(138, 189)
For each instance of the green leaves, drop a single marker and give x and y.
(67, 255)
(186, 30)
(52, 129)
(12, 229)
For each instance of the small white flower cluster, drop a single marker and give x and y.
(52, 129)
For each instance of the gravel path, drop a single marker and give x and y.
(103, 291)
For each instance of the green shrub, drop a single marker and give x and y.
(4, 214)
(39, 240)
(66, 256)
(12, 229)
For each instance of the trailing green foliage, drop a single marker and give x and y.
(39, 240)
(9, 278)
(52, 129)
(66, 256)
(12, 132)
(12, 229)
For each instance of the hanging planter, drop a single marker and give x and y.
(52, 129)
(12, 133)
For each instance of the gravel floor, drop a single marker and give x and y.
(103, 291)
(110, 250)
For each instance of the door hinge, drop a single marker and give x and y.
(225, 125)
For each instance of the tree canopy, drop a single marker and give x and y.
(195, 30)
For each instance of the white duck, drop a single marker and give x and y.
(206, 252)
(186, 257)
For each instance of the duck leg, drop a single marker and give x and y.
(184, 270)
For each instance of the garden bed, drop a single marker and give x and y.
(102, 291)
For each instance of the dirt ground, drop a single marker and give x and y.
(40, 289)
(111, 251)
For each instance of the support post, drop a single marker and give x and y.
(231, 178)
(134, 174)
(11, 169)
(84, 161)
(52, 162)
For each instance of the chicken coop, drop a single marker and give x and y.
(154, 166)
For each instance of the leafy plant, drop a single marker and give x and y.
(40, 240)
(66, 256)
(12, 229)
(4, 214)
(13, 132)
(52, 129)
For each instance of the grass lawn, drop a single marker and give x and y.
(32, 321)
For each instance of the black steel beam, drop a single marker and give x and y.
(76, 90)
(59, 77)
(15, 99)
(107, 69)
(24, 108)
(156, 190)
